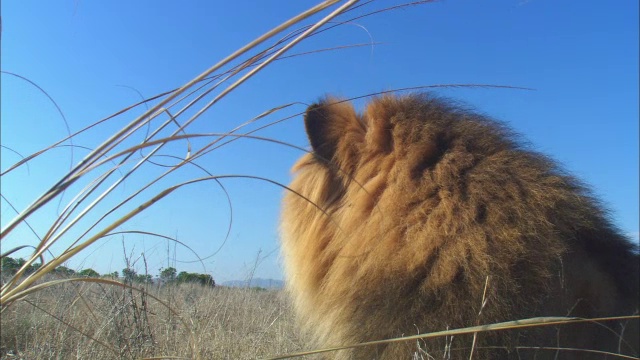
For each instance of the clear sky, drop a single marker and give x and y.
(96, 57)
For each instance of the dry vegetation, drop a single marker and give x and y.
(90, 318)
(96, 321)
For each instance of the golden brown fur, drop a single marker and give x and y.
(417, 210)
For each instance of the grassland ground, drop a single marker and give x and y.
(96, 321)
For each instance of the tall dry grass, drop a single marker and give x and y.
(43, 317)
(94, 321)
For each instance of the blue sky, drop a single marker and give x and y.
(94, 58)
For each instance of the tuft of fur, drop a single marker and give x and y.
(419, 216)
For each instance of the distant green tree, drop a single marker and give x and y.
(129, 274)
(184, 277)
(20, 262)
(64, 271)
(144, 278)
(206, 280)
(89, 273)
(32, 268)
(9, 265)
(202, 279)
(168, 274)
(35, 266)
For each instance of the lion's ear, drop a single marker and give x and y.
(330, 123)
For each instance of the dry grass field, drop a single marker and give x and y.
(44, 317)
(95, 321)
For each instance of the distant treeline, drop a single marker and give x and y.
(167, 276)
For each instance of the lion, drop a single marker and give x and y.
(420, 215)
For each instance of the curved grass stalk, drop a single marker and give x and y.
(62, 321)
(507, 325)
(107, 145)
(127, 154)
(25, 160)
(64, 118)
(26, 286)
(77, 172)
(52, 283)
(160, 236)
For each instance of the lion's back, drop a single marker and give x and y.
(418, 216)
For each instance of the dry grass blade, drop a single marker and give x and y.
(25, 160)
(397, 90)
(61, 226)
(20, 155)
(52, 283)
(107, 145)
(86, 165)
(62, 321)
(588, 351)
(64, 118)
(11, 251)
(302, 36)
(508, 325)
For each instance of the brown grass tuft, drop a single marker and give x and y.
(227, 323)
